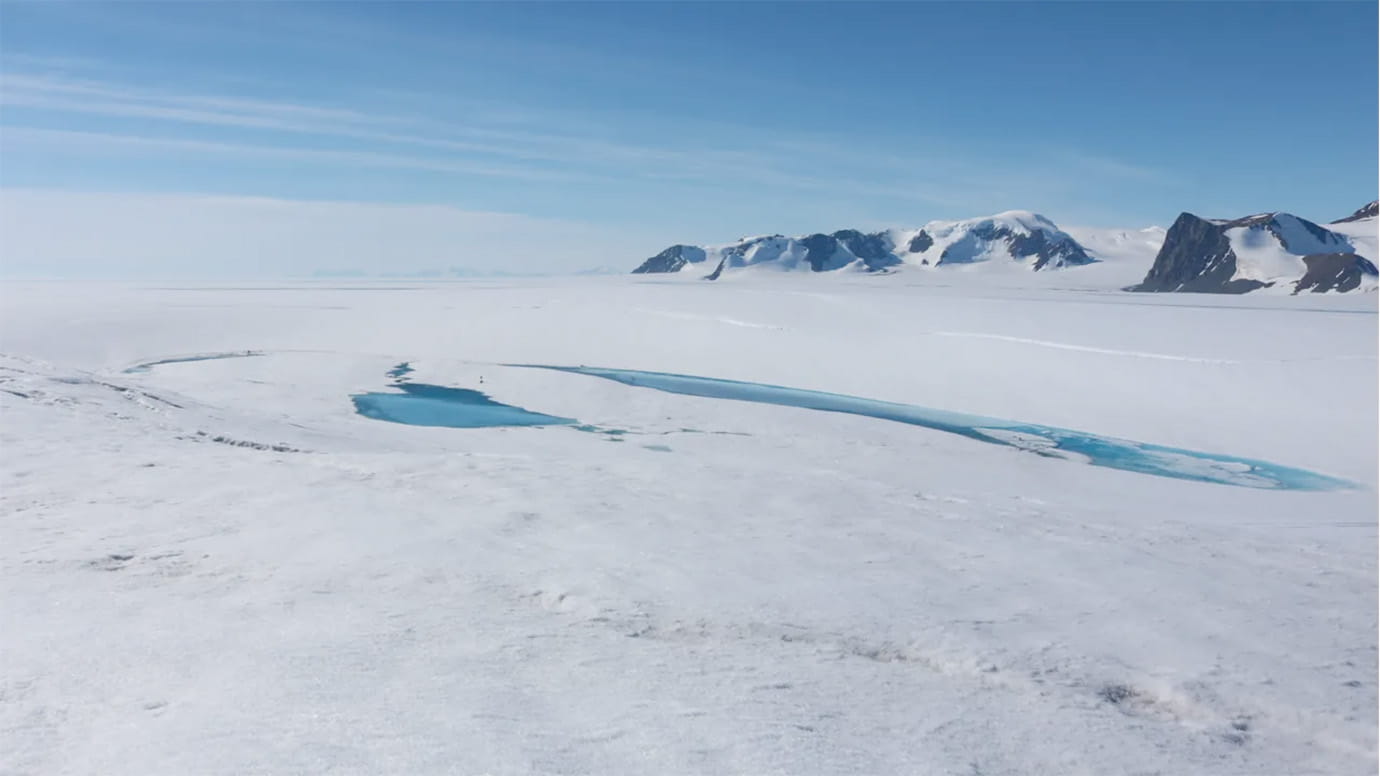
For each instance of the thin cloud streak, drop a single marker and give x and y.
(364, 158)
(709, 167)
(941, 178)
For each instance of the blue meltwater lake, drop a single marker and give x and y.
(1048, 441)
(418, 404)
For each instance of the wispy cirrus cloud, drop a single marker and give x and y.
(530, 153)
(84, 114)
(107, 100)
(449, 147)
(19, 88)
(98, 140)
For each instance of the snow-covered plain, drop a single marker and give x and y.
(216, 566)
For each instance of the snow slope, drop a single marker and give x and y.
(1272, 251)
(1362, 234)
(216, 567)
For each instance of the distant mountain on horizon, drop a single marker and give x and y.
(1016, 236)
(1266, 250)
(1195, 254)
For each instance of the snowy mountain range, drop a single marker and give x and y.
(1014, 236)
(1271, 250)
(1268, 250)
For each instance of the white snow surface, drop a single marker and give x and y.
(1134, 246)
(732, 587)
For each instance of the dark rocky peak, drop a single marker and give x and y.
(874, 249)
(1200, 255)
(1335, 272)
(1197, 256)
(672, 259)
(821, 251)
(920, 242)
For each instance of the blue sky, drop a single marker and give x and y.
(540, 136)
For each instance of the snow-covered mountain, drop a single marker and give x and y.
(1268, 250)
(1014, 236)
(1365, 212)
